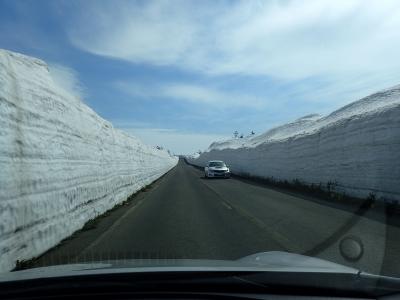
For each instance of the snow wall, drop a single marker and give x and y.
(357, 146)
(60, 163)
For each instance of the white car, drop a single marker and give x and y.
(216, 168)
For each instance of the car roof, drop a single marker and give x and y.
(215, 161)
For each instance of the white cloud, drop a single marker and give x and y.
(67, 78)
(177, 141)
(284, 39)
(194, 93)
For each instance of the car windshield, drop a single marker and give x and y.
(200, 133)
(216, 164)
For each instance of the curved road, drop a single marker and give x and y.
(184, 215)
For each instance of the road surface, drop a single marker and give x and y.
(184, 215)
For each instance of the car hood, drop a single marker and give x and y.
(267, 261)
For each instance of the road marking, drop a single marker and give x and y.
(278, 237)
(156, 184)
(226, 205)
(141, 199)
(110, 229)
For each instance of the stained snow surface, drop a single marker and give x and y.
(61, 164)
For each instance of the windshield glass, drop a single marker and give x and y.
(216, 164)
(112, 112)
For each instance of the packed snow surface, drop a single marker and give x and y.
(61, 164)
(356, 146)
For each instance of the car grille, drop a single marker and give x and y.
(219, 171)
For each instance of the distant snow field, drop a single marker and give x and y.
(61, 164)
(357, 147)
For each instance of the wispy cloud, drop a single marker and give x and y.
(68, 79)
(192, 93)
(285, 39)
(211, 66)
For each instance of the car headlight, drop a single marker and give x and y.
(227, 170)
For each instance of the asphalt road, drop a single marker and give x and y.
(184, 215)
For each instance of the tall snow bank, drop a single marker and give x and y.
(60, 163)
(357, 146)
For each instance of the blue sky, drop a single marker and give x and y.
(184, 73)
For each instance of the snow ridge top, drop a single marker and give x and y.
(310, 124)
